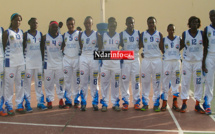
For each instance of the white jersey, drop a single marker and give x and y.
(193, 50)
(33, 55)
(53, 54)
(151, 44)
(171, 48)
(14, 50)
(111, 43)
(72, 46)
(89, 43)
(210, 31)
(1, 44)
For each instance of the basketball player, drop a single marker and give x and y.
(130, 68)
(110, 69)
(209, 62)
(33, 57)
(53, 66)
(14, 65)
(90, 41)
(151, 64)
(71, 63)
(2, 112)
(171, 67)
(192, 45)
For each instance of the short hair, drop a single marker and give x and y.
(129, 18)
(88, 17)
(211, 11)
(111, 19)
(70, 19)
(79, 28)
(60, 23)
(151, 17)
(193, 18)
(170, 25)
(31, 19)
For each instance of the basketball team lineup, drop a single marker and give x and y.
(66, 62)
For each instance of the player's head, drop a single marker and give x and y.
(60, 24)
(79, 28)
(88, 22)
(15, 20)
(212, 16)
(112, 24)
(171, 29)
(130, 23)
(194, 22)
(53, 27)
(70, 23)
(151, 22)
(33, 23)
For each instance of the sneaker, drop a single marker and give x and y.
(10, 112)
(183, 108)
(125, 107)
(199, 109)
(83, 108)
(3, 113)
(49, 105)
(116, 108)
(67, 106)
(144, 108)
(95, 108)
(61, 104)
(137, 107)
(21, 110)
(104, 109)
(175, 106)
(28, 108)
(41, 106)
(156, 109)
(208, 111)
(163, 107)
(76, 105)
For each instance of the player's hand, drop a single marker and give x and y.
(204, 69)
(142, 55)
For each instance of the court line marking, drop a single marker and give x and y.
(102, 128)
(175, 120)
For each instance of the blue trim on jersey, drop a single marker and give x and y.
(68, 100)
(206, 103)
(42, 100)
(71, 33)
(20, 105)
(83, 101)
(103, 103)
(157, 102)
(170, 39)
(163, 96)
(109, 35)
(2, 29)
(117, 102)
(31, 34)
(1, 102)
(201, 33)
(100, 63)
(45, 65)
(76, 99)
(95, 98)
(7, 62)
(129, 34)
(191, 35)
(90, 33)
(138, 101)
(96, 40)
(8, 106)
(53, 37)
(144, 101)
(47, 99)
(143, 40)
(125, 101)
(212, 26)
(153, 33)
(176, 94)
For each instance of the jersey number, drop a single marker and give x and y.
(54, 42)
(87, 40)
(131, 39)
(151, 39)
(193, 41)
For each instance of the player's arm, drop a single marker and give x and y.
(141, 44)
(121, 45)
(182, 43)
(42, 46)
(205, 49)
(63, 43)
(24, 41)
(161, 43)
(140, 41)
(4, 39)
(80, 42)
(99, 40)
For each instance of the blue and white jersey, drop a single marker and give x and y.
(72, 47)
(14, 50)
(171, 48)
(210, 31)
(89, 43)
(53, 53)
(1, 44)
(151, 44)
(111, 43)
(193, 50)
(131, 42)
(33, 55)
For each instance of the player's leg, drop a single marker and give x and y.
(185, 85)
(167, 73)
(146, 69)
(115, 76)
(156, 82)
(68, 81)
(2, 100)
(105, 80)
(135, 82)
(84, 75)
(76, 83)
(94, 71)
(8, 88)
(38, 89)
(125, 79)
(59, 81)
(27, 87)
(209, 84)
(19, 81)
(197, 82)
(49, 86)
